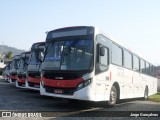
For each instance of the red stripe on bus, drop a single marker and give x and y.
(21, 80)
(110, 75)
(34, 80)
(13, 77)
(62, 83)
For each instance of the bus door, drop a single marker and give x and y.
(102, 59)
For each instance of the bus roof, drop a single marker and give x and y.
(97, 30)
(35, 45)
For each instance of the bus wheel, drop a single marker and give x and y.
(113, 96)
(146, 93)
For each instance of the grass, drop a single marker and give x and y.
(155, 97)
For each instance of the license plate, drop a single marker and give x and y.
(58, 91)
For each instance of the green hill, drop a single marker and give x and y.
(4, 49)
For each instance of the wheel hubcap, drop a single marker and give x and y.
(113, 97)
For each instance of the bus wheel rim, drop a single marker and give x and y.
(113, 97)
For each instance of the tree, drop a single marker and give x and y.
(9, 55)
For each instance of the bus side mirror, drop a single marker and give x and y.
(102, 51)
(41, 56)
(40, 53)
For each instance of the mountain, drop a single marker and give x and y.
(4, 49)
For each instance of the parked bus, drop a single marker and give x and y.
(6, 69)
(14, 68)
(4, 72)
(22, 70)
(83, 63)
(33, 70)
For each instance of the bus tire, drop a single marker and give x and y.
(113, 96)
(146, 93)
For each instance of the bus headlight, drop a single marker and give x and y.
(87, 82)
(80, 86)
(84, 84)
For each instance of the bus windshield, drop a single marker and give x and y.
(33, 59)
(21, 66)
(33, 63)
(23, 62)
(15, 63)
(69, 54)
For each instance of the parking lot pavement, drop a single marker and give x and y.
(23, 100)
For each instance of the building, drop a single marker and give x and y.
(3, 62)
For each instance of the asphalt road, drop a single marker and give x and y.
(16, 100)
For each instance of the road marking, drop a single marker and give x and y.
(91, 109)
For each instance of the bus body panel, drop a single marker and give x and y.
(29, 87)
(83, 94)
(20, 83)
(33, 82)
(62, 83)
(12, 79)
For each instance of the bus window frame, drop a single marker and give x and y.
(98, 57)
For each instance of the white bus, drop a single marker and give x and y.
(22, 70)
(33, 70)
(83, 63)
(13, 69)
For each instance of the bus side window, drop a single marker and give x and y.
(102, 58)
(136, 64)
(147, 68)
(143, 67)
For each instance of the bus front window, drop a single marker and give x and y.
(16, 63)
(33, 59)
(21, 65)
(71, 55)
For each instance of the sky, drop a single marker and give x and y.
(135, 23)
